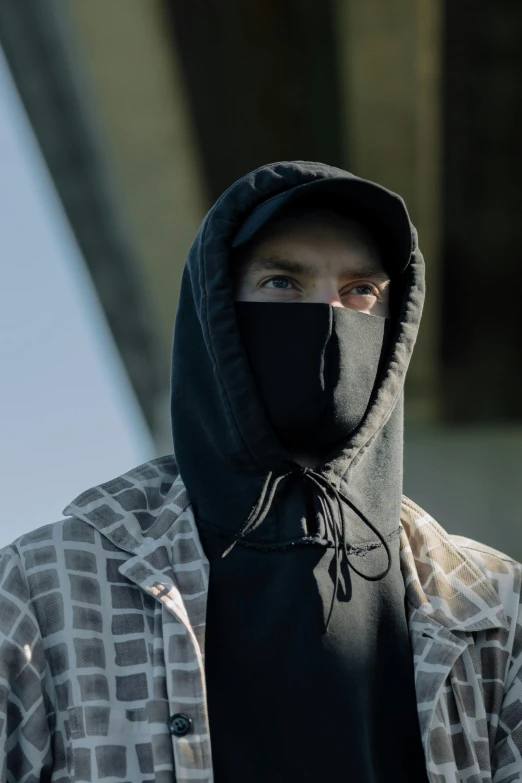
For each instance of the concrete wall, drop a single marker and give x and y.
(469, 480)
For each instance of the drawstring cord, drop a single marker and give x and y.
(264, 504)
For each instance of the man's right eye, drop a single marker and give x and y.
(277, 280)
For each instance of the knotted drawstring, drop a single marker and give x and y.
(264, 504)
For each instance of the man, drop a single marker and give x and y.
(266, 605)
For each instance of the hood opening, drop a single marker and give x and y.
(223, 442)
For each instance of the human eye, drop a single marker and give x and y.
(364, 289)
(277, 281)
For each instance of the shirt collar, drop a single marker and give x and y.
(136, 508)
(441, 579)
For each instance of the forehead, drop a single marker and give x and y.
(312, 236)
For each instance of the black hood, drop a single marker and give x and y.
(223, 442)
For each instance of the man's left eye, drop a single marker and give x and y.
(362, 290)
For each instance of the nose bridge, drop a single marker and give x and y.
(326, 292)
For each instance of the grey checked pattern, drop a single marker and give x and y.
(102, 635)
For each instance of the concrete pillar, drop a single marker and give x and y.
(390, 56)
(138, 91)
(141, 105)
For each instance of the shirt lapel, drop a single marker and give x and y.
(147, 513)
(447, 597)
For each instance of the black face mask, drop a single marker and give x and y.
(315, 368)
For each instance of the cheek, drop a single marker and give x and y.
(244, 290)
(363, 304)
(382, 309)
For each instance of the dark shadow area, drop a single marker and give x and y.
(262, 82)
(482, 196)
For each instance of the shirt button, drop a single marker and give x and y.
(180, 724)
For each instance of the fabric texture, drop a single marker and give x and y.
(102, 617)
(315, 368)
(224, 444)
(238, 413)
(347, 404)
(274, 676)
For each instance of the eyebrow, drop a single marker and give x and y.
(276, 263)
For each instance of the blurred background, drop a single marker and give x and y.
(121, 121)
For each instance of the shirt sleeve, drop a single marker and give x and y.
(25, 737)
(507, 753)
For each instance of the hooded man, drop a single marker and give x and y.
(266, 605)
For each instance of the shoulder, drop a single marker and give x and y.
(423, 531)
(466, 566)
(48, 539)
(486, 556)
(46, 572)
(503, 572)
(43, 559)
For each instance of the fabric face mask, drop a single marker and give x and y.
(314, 366)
